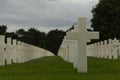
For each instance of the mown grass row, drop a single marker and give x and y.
(54, 68)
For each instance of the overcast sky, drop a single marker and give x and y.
(44, 14)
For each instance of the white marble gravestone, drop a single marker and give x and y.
(63, 51)
(105, 49)
(14, 48)
(115, 48)
(110, 49)
(2, 50)
(9, 51)
(82, 36)
(19, 52)
(69, 51)
(74, 51)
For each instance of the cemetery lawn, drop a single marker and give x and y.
(54, 68)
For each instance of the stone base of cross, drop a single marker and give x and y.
(82, 36)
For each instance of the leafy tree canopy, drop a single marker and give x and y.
(106, 18)
(54, 39)
(3, 29)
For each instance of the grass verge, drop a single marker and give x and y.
(54, 68)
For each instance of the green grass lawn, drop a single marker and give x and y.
(54, 68)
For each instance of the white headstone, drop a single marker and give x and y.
(14, 56)
(110, 48)
(106, 49)
(9, 51)
(115, 48)
(102, 49)
(82, 36)
(72, 51)
(19, 52)
(2, 50)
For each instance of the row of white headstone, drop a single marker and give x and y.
(108, 49)
(19, 52)
(74, 46)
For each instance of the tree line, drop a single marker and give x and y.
(50, 41)
(106, 19)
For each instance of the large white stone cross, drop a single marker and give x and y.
(82, 36)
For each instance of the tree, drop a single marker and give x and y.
(54, 39)
(106, 18)
(36, 37)
(32, 36)
(3, 29)
(20, 33)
